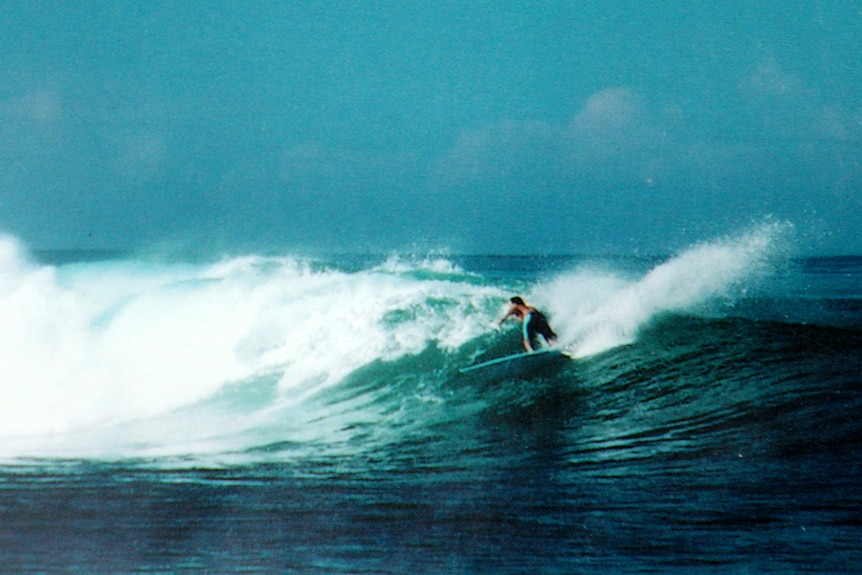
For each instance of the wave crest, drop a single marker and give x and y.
(598, 311)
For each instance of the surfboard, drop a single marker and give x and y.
(518, 365)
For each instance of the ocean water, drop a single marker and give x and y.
(282, 414)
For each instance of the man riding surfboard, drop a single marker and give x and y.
(535, 324)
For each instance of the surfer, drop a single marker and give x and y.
(535, 324)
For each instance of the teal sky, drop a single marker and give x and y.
(488, 126)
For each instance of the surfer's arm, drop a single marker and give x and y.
(507, 316)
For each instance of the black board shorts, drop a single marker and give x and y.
(538, 325)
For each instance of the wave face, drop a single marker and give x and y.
(278, 413)
(263, 358)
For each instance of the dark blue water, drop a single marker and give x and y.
(721, 435)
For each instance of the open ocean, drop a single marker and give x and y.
(280, 414)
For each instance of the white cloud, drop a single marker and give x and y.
(769, 79)
(608, 112)
(490, 151)
(38, 107)
(612, 124)
(785, 106)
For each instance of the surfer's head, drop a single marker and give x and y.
(517, 300)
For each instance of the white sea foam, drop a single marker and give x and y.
(96, 344)
(597, 311)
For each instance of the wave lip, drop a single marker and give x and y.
(600, 313)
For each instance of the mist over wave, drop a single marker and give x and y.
(131, 357)
(598, 310)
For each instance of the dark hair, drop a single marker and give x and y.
(517, 300)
